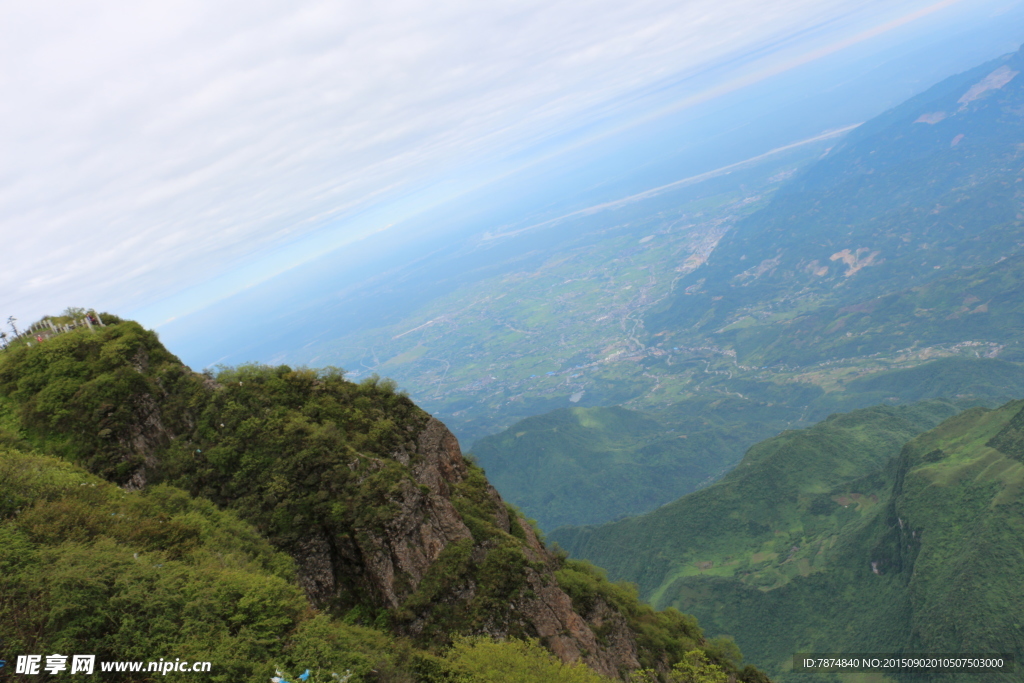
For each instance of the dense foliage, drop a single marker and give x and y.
(836, 539)
(221, 474)
(282, 447)
(84, 394)
(290, 449)
(87, 568)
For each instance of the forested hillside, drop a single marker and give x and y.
(579, 466)
(591, 465)
(277, 517)
(839, 538)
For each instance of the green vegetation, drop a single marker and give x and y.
(81, 393)
(695, 668)
(579, 466)
(747, 523)
(208, 549)
(286, 449)
(836, 539)
(88, 568)
(666, 641)
(590, 465)
(517, 661)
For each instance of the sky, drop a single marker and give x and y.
(158, 157)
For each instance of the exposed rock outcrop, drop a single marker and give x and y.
(392, 562)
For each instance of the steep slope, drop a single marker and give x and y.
(916, 552)
(758, 511)
(155, 582)
(387, 522)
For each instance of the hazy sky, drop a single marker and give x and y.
(148, 148)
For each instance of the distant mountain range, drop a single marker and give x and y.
(901, 245)
(889, 271)
(907, 234)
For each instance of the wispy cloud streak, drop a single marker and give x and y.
(148, 147)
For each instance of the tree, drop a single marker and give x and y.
(696, 668)
(483, 660)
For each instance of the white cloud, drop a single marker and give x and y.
(147, 147)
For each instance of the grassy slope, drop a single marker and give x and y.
(758, 511)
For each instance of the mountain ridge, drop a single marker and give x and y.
(386, 521)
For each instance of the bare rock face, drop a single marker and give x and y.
(391, 563)
(316, 567)
(441, 462)
(572, 636)
(413, 540)
(146, 433)
(426, 522)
